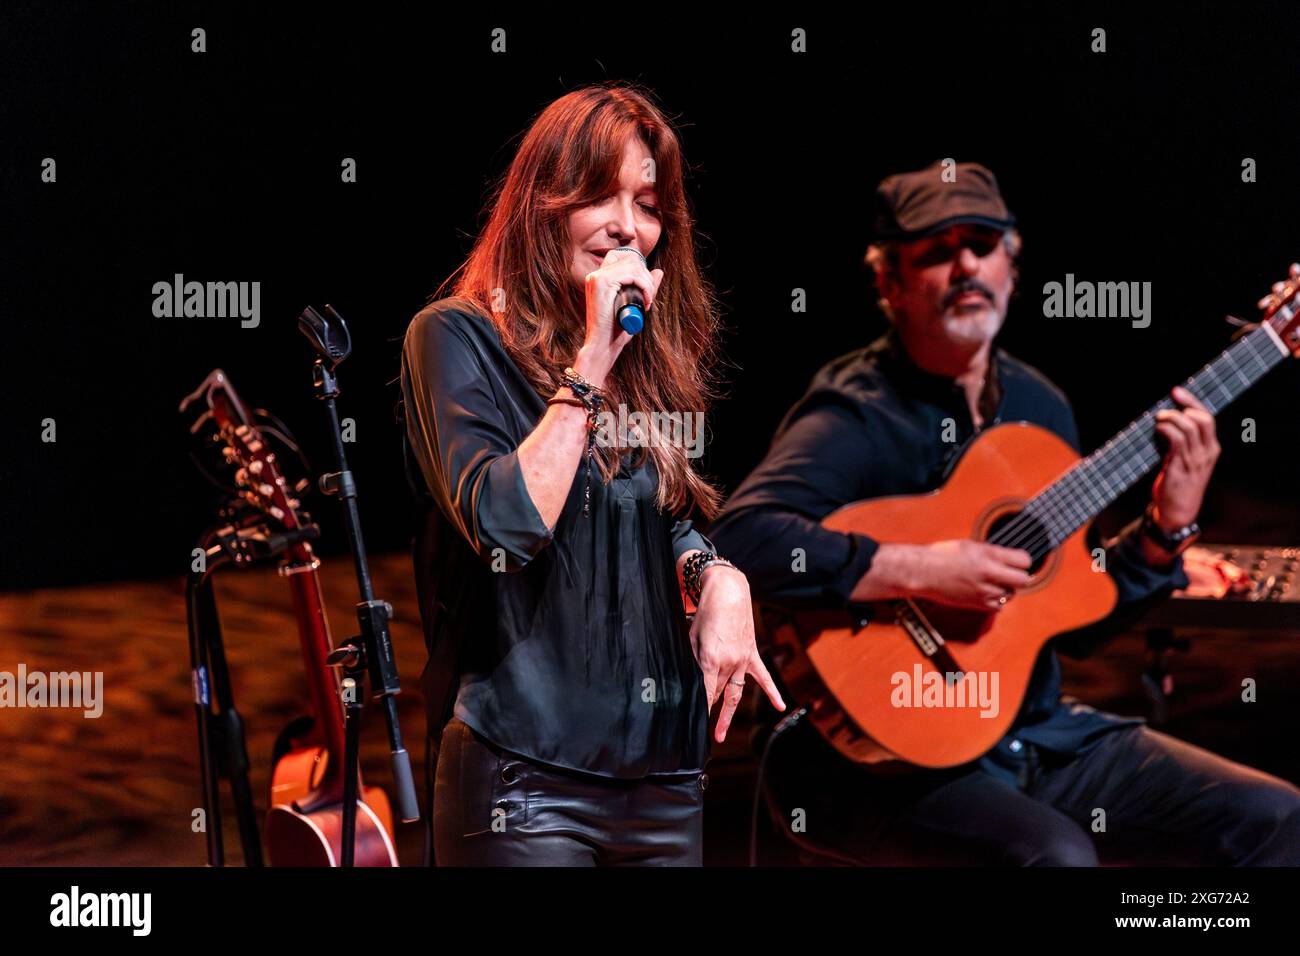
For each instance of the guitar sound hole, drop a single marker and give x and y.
(1018, 529)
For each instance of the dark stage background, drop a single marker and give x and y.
(1123, 165)
(224, 166)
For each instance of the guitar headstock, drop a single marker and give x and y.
(257, 472)
(1282, 311)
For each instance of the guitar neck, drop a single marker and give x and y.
(314, 638)
(1085, 490)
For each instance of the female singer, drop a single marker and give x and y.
(556, 551)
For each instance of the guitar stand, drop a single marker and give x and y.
(222, 747)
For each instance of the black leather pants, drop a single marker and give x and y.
(496, 808)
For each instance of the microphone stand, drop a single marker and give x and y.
(371, 650)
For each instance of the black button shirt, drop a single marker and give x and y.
(567, 645)
(873, 423)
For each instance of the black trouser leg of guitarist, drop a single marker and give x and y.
(1136, 796)
(1167, 801)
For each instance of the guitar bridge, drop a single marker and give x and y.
(928, 640)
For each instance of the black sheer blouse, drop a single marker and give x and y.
(567, 645)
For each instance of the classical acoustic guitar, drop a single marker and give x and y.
(304, 824)
(911, 682)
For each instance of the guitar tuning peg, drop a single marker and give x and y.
(228, 453)
(198, 423)
(1243, 327)
(255, 467)
(241, 476)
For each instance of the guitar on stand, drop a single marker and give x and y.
(304, 826)
(1017, 485)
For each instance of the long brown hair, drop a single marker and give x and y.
(570, 157)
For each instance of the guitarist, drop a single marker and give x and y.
(891, 419)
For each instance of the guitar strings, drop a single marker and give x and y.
(1054, 514)
(1074, 503)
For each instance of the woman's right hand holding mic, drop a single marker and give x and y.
(605, 338)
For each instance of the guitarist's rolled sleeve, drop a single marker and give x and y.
(1138, 581)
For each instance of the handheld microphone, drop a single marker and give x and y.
(630, 309)
(629, 306)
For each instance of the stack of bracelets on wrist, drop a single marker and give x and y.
(591, 398)
(694, 569)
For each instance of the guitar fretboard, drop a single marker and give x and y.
(1089, 486)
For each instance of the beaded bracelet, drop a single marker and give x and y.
(591, 398)
(694, 569)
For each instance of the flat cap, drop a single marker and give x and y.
(920, 203)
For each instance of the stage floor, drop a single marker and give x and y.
(121, 789)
